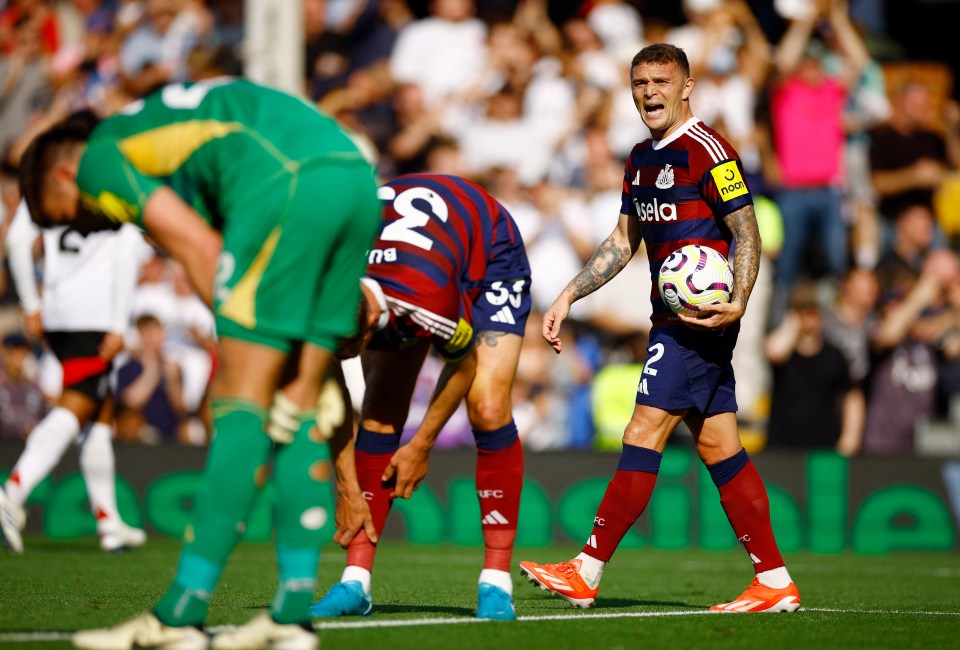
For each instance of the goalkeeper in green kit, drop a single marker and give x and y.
(270, 207)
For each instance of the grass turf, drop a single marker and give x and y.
(897, 601)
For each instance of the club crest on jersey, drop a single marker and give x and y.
(665, 177)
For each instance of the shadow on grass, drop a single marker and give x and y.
(630, 603)
(607, 604)
(423, 609)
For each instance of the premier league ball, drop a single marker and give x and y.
(692, 276)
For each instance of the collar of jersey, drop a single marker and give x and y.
(381, 301)
(676, 134)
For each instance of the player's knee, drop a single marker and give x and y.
(488, 412)
(640, 433)
(712, 450)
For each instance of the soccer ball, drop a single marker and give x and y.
(692, 276)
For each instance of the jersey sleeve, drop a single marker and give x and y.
(20, 238)
(722, 183)
(110, 186)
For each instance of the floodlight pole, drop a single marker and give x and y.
(273, 48)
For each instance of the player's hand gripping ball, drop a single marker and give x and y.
(692, 276)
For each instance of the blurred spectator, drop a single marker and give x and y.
(707, 27)
(417, 127)
(851, 320)
(730, 78)
(453, 30)
(165, 293)
(505, 136)
(614, 312)
(618, 24)
(807, 110)
(914, 320)
(551, 393)
(21, 403)
(149, 390)
(36, 12)
(908, 159)
(349, 36)
(24, 81)
(444, 157)
(913, 236)
(557, 241)
(947, 404)
(866, 106)
(9, 198)
(156, 52)
(815, 403)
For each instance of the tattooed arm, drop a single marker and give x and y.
(746, 263)
(608, 260)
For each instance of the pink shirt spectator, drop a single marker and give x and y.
(808, 132)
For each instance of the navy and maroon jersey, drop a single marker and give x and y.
(444, 243)
(680, 189)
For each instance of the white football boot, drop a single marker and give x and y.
(12, 520)
(144, 631)
(115, 539)
(262, 632)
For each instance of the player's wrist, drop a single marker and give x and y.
(422, 443)
(349, 489)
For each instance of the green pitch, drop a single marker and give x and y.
(424, 598)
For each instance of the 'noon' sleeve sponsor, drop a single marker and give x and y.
(717, 165)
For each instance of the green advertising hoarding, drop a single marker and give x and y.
(818, 501)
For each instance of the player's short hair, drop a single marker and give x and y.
(44, 152)
(662, 53)
(147, 320)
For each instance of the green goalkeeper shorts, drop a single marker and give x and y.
(291, 262)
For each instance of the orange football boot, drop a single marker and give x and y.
(562, 579)
(760, 598)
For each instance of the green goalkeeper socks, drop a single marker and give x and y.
(303, 498)
(232, 477)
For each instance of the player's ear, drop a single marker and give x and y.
(65, 170)
(687, 88)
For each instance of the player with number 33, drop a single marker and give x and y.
(449, 268)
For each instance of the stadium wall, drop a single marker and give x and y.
(819, 501)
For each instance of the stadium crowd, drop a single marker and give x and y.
(852, 339)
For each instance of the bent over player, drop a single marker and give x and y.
(449, 268)
(683, 186)
(270, 208)
(88, 284)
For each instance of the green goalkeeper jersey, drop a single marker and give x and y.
(288, 189)
(218, 144)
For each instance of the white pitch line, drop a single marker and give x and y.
(353, 625)
(11, 637)
(905, 612)
(21, 637)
